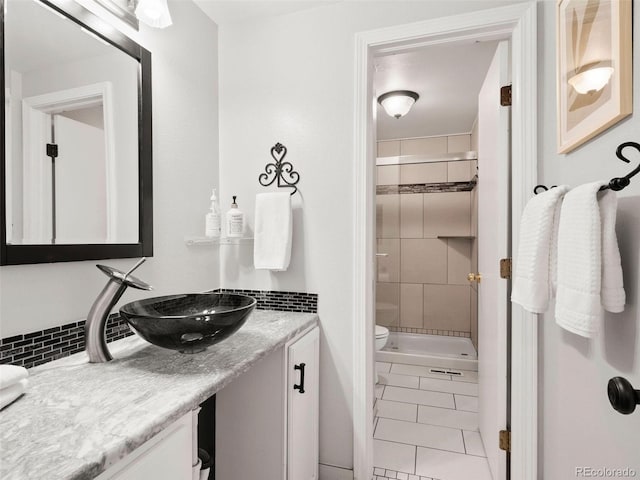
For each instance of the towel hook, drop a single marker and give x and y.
(617, 183)
(278, 170)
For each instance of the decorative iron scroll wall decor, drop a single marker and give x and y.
(617, 183)
(280, 170)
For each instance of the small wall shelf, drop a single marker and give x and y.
(197, 241)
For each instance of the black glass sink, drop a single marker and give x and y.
(188, 322)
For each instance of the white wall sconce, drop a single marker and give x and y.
(591, 80)
(154, 13)
(398, 102)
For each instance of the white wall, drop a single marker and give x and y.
(290, 79)
(579, 428)
(185, 167)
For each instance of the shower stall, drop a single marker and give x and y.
(426, 243)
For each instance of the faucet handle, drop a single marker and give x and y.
(121, 277)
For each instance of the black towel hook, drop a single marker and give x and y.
(617, 183)
(279, 170)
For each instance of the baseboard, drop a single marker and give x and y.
(329, 472)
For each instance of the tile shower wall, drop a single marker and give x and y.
(428, 238)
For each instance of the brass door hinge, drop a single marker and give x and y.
(505, 268)
(505, 440)
(505, 96)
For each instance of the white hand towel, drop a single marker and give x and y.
(11, 374)
(10, 394)
(612, 293)
(583, 263)
(534, 271)
(273, 231)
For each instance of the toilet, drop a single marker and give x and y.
(382, 335)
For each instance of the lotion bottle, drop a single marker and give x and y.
(235, 221)
(212, 219)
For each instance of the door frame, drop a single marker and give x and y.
(35, 134)
(519, 23)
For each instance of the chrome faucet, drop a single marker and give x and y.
(94, 330)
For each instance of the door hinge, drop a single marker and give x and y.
(505, 268)
(505, 440)
(505, 96)
(52, 150)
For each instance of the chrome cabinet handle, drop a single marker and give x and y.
(382, 254)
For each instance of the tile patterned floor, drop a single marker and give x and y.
(426, 427)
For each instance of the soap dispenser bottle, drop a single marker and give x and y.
(213, 221)
(235, 221)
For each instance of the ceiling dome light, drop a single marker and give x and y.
(154, 13)
(398, 102)
(591, 80)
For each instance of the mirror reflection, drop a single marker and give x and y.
(71, 110)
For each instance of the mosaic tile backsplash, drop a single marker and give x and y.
(35, 348)
(286, 301)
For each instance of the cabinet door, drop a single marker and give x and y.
(167, 456)
(302, 405)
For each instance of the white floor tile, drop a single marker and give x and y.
(422, 397)
(467, 376)
(378, 471)
(409, 381)
(390, 474)
(383, 367)
(402, 476)
(469, 404)
(414, 477)
(379, 390)
(451, 466)
(473, 444)
(448, 386)
(394, 456)
(446, 417)
(398, 410)
(420, 434)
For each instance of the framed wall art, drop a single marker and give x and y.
(594, 64)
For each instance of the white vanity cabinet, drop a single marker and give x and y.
(267, 419)
(167, 456)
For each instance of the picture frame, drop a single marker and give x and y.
(594, 68)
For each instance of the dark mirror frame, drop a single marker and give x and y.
(28, 254)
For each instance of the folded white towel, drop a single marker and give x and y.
(583, 263)
(11, 374)
(534, 270)
(10, 394)
(273, 231)
(612, 293)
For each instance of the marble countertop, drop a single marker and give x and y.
(77, 419)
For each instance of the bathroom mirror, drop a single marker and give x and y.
(76, 140)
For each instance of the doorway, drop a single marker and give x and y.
(516, 23)
(430, 169)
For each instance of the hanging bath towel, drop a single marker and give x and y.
(273, 231)
(589, 267)
(535, 268)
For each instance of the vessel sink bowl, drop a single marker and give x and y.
(189, 322)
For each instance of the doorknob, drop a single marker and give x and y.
(474, 277)
(622, 396)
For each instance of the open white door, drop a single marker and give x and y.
(493, 244)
